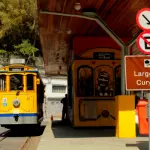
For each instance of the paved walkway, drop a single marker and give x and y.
(63, 137)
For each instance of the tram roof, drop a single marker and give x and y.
(119, 15)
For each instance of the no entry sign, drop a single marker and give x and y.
(143, 42)
(137, 72)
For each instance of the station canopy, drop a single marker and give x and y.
(58, 30)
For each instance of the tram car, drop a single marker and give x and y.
(21, 96)
(94, 79)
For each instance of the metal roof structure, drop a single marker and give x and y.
(61, 20)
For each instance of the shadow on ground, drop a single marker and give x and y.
(23, 132)
(64, 130)
(142, 145)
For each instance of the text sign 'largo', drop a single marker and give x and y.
(137, 72)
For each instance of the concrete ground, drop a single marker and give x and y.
(61, 136)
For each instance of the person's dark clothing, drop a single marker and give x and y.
(64, 102)
(64, 110)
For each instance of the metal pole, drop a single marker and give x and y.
(97, 19)
(110, 33)
(66, 14)
(141, 96)
(128, 53)
(123, 52)
(131, 42)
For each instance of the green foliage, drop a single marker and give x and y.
(2, 51)
(18, 22)
(26, 48)
(11, 15)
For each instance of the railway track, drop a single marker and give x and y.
(7, 137)
(3, 135)
(18, 141)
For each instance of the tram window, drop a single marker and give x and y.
(16, 82)
(104, 81)
(30, 81)
(2, 82)
(85, 81)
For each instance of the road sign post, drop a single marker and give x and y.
(143, 42)
(137, 73)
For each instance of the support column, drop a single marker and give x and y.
(123, 53)
(128, 53)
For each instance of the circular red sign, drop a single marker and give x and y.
(140, 37)
(138, 18)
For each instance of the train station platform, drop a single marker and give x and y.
(60, 136)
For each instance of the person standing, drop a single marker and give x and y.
(64, 110)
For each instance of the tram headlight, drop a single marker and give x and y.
(16, 103)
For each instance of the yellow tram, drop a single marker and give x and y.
(21, 96)
(94, 79)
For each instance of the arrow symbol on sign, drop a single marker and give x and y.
(148, 21)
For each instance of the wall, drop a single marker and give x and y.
(54, 81)
(54, 107)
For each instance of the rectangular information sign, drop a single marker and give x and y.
(103, 55)
(137, 72)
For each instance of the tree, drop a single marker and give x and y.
(25, 49)
(18, 23)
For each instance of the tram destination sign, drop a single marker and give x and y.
(137, 72)
(16, 69)
(103, 55)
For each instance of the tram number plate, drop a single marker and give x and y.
(4, 102)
